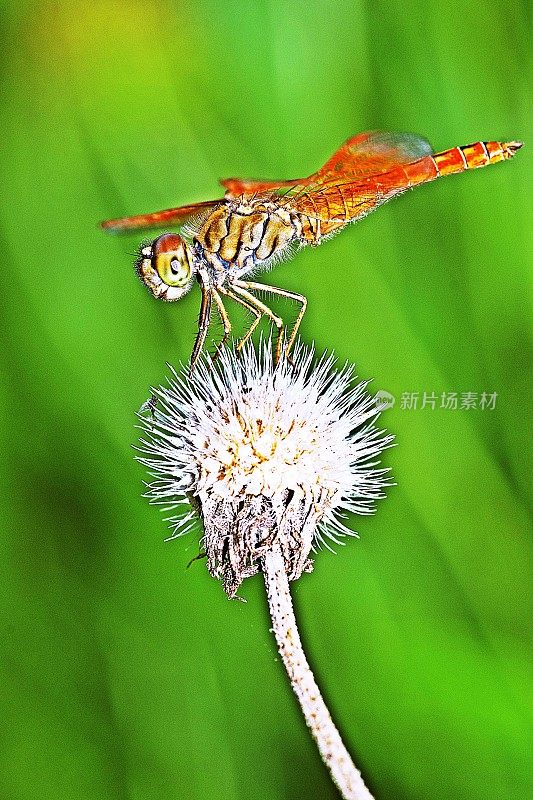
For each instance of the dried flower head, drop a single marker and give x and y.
(266, 454)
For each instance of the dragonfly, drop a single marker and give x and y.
(222, 243)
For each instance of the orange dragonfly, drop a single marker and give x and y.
(259, 222)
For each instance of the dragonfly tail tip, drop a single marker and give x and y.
(512, 147)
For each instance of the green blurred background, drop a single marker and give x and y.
(123, 674)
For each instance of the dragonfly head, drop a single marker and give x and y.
(167, 266)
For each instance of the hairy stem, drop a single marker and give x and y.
(332, 750)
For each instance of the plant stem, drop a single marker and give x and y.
(332, 750)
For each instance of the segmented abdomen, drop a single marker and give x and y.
(458, 159)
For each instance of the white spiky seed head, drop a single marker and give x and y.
(263, 454)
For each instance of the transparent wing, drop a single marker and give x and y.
(364, 173)
(351, 183)
(158, 219)
(340, 203)
(372, 153)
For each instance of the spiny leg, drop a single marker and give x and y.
(282, 293)
(248, 307)
(225, 322)
(203, 323)
(240, 288)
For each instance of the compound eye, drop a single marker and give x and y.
(170, 260)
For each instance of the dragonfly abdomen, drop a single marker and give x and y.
(458, 159)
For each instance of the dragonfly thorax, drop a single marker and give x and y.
(238, 237)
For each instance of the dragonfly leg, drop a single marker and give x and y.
(248, 307)
(203, 323)
(225, 322)
(282, 293)
(240, 288)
